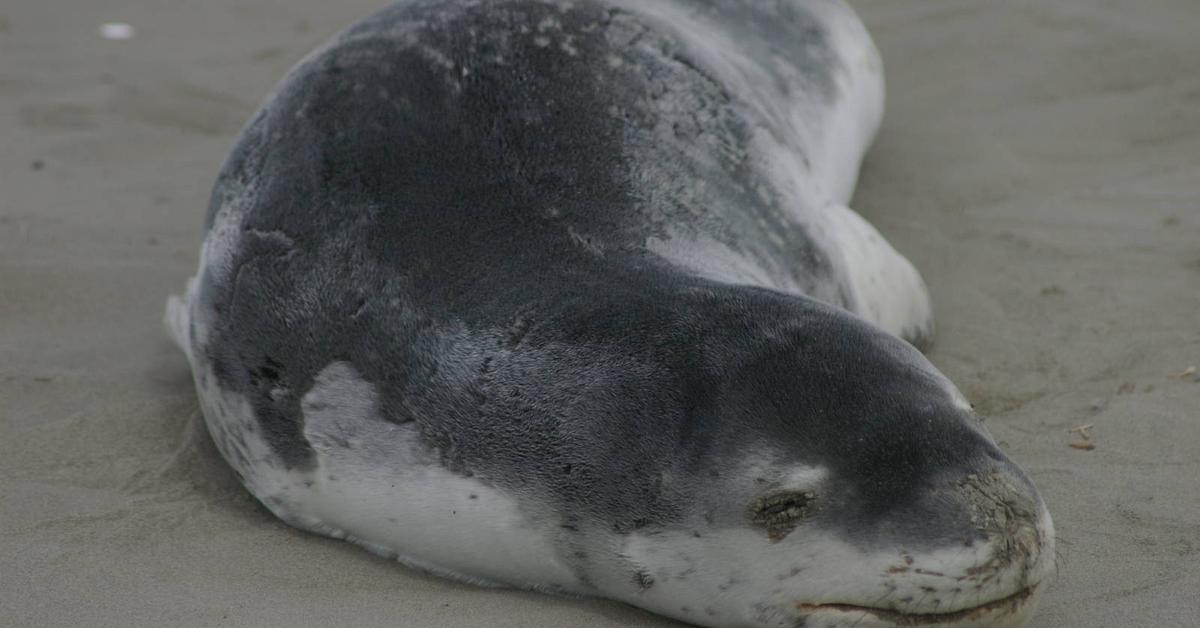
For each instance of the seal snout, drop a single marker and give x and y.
(988, 571)
(1008, 515)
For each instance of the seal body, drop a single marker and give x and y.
(565, 295)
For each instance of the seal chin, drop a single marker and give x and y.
(1013, 610)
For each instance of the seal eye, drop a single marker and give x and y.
(781, 512)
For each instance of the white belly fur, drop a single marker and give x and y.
(375, 484)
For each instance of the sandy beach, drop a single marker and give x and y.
(1039, 163)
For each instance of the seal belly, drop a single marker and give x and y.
(377, 484)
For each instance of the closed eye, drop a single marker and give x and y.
(780, 512)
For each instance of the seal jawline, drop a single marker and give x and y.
(992, 609)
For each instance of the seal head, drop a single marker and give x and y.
(833, 476)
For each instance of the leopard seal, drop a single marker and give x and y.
(566, 296)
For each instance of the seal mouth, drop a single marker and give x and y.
(987, 611)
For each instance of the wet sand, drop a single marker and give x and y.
(1040, 164)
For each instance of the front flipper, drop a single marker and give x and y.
(884, 287)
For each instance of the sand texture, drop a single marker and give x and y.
(1040, 164)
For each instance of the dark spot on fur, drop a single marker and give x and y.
(359, 306)
(266, 375)
(792, 573)
(643, 579)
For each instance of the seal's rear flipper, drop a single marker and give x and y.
(885, 288)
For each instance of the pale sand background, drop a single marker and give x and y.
(1040, 164)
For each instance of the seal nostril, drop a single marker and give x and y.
(781, 512)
